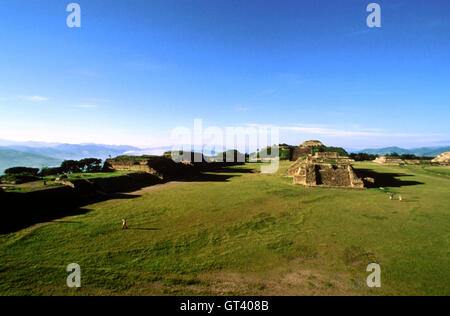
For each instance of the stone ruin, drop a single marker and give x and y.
(164, 167)
(442, 159)
(327, 169)
(305, 149)
(161, 167)
(396, 161)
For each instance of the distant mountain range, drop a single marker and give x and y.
(37, 155)
(421, 152)
(12, 158)
(41, 154)
(76, 152)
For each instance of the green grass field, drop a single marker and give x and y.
(92, 175)
(50, 183)
(252, 234)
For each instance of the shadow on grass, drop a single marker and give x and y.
(22, 214)
(21, 210)
(385, 179)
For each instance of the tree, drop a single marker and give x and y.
(362, 156)
(22, 171)
(233, 155)
(341, 151)
(90, 165)
(70, 166)
(50, 171)
(285, 153)
(408, 156)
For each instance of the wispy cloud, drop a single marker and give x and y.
(338, 132)
(325, 131)
(35, 98)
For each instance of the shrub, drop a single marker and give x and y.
(234, 154)
(22, 171)
(18, 178)
(285, 154)
(341, 151)
(362, 156)
(90, 165)
(50, 171)
(70, 166)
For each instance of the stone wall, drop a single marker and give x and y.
(165, 168)
(332, 175)
(301, 152)
(443, 159)
(312, 143)
(161, 167)
(396, 161)
(310, 173)
(355, 181)
(327, 155)
(316, 149)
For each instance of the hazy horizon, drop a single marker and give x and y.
(40, 144)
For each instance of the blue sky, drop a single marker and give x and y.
(137, 69)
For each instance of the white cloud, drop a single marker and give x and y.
(337, 132)
(329, 131)
(150, 151)
(356, 137)
(35, 98)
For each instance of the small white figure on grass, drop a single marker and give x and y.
(391, 196)
(400, 198)
(124, 223)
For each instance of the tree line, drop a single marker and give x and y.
(66, 167)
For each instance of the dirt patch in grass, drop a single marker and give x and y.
(291, 281)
